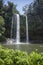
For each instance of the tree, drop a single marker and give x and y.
(9, 10)
(6, 13)
(8, 18)
(2, 28)
(25, 8)
(23, 28)
(1, 7)
(35, 18)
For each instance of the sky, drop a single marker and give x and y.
(20, 4)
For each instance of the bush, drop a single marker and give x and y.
(35, 59)
(16, 57)
(2, 29)
(2, 62)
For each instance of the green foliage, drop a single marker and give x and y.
(9, 11)
(35, 59)
(35, 20)
(1, 21)
(23, 28)
(16, 57)
(25, 8)
(1, 62)
(2, 28)
(6, 13)
(1, 5)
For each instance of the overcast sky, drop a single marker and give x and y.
(20, 4)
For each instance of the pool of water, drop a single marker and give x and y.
(25, 47)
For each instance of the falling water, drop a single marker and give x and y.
(18, 30)
(10, 41)
(16, 19)
(11, 27)
(26, 30)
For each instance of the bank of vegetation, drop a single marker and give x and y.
(17, 57)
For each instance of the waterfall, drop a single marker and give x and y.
(10, 41)
(18, 29)
(26, 29)
(15, 26)
(11, 27)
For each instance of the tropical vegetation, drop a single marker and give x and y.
(17, 57)
(34, 12)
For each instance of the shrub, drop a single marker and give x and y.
(16, 57)
(8, 61)
(2, 29)
(35, 59)
(2, 62)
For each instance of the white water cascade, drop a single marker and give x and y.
(18, 30)
(26, 29)
(11, 27)
(15, 25)
(15, 19)
(10, 41)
